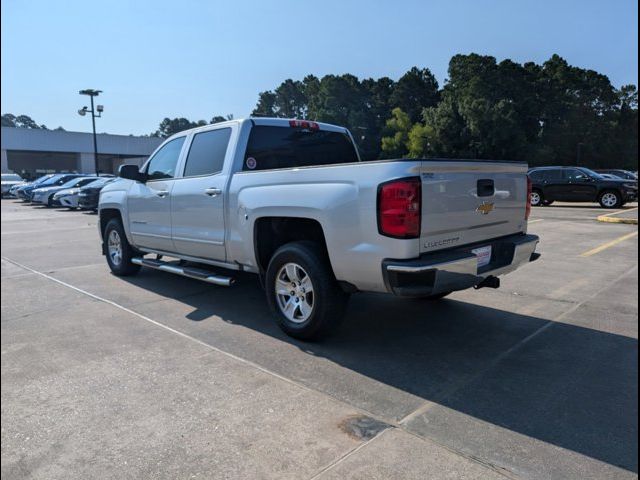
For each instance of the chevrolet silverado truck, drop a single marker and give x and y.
(290, 201)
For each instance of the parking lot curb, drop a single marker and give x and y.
(611, 218)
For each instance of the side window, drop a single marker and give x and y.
(206, 153)
(553, 175)
(536, 175)
(163, 163)
(574, 174)
(85, 181)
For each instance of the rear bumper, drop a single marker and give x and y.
(457, 269)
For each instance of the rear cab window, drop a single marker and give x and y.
(207, 152)
(272, 147)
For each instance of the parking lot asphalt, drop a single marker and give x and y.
(158, 376)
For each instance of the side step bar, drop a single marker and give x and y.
(191, 272)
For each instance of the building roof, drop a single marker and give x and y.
(79, 142)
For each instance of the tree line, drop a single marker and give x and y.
(553, 113)
(546, 114)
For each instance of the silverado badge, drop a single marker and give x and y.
(485, 208)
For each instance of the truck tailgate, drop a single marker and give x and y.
(467, 202)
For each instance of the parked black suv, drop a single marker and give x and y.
(624, 174)
(88, 196)
(578, 184)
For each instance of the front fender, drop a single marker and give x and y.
(116, 200)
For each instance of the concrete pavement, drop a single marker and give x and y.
(165, 377)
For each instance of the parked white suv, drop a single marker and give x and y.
(10, 180)
(291, 201)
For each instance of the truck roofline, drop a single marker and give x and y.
(268, 121)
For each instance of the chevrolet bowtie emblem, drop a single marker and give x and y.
(485, 208)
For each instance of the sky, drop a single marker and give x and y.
(197, 59)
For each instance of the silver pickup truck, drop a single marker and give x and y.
(291, 201)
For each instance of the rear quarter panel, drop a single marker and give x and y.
(342, 198)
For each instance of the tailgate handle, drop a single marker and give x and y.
(486, 188)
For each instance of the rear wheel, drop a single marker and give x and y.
(303, 292)
(610, 199)
(536, 198)
(119, 251)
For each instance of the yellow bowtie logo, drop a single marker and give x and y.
(485, 208)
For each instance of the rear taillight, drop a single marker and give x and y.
(527, 213)
(399, 205)
(304, 124)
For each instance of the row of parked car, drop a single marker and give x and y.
(610, 188)
(71, 190)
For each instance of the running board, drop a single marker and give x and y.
(191, 272)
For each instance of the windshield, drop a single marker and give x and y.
(50, 181)
(99, 182)
(43, 179)
(10, 177)
(77, 182)
(592, 174)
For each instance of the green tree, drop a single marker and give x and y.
(418, 143)
(415, 90)
(21, 121)
(8, 120)
(394, 143)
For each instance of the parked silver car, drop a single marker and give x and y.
(45, 195)
(69, 196)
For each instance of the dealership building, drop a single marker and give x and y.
(33, 152)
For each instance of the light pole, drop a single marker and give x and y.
(83, 111)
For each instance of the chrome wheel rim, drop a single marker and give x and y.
(609, 200)
(114, 247)
(294, 293)
(535, 198)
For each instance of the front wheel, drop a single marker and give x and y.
(303, 292)
(610, 199)
(119, 251)
(536, 198)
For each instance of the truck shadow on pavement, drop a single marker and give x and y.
(568, 386)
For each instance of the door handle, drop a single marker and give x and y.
(212, 192)
(162, 193)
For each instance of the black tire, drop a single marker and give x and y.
(547, 203)
(537, 198)
(606, 199)
(328, 299)
(50, 201)
(123, 267)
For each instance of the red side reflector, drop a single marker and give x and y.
(304, 124)
(399, 208)
(527, 213)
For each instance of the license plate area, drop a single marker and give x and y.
(483, 254)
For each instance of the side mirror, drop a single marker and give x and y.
(131, 172)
